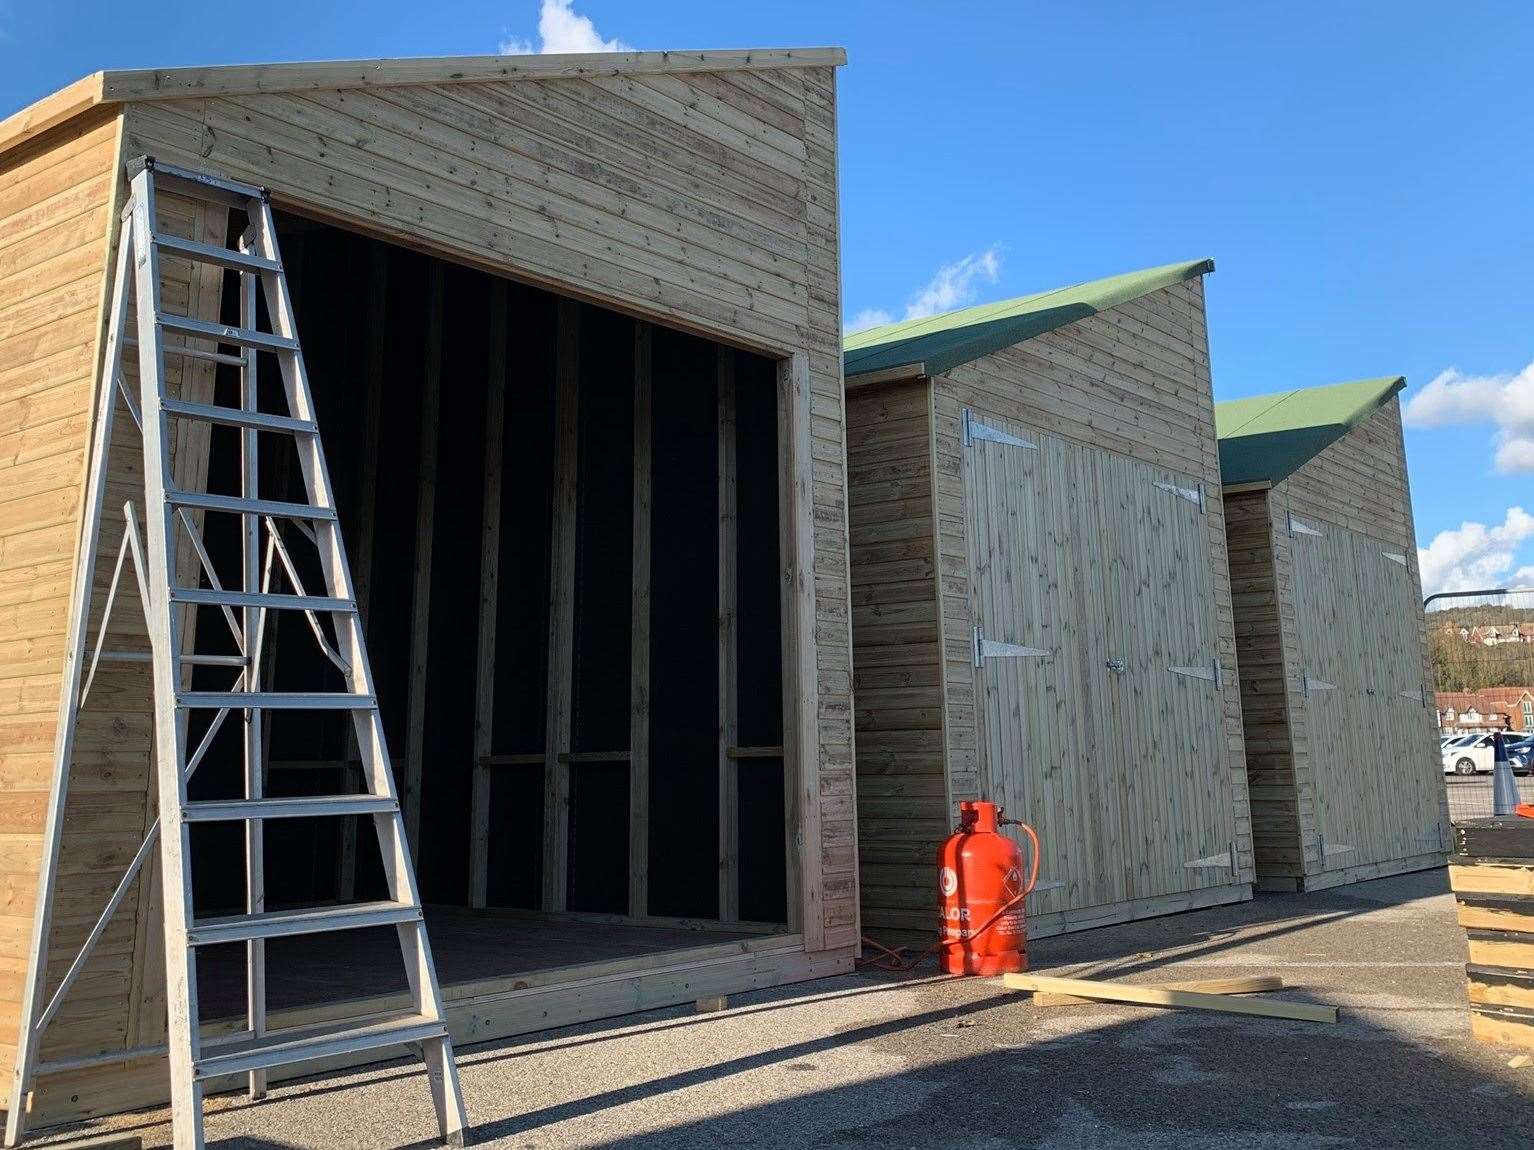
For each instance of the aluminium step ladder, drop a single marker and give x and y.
(172, 515)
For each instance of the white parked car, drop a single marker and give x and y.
(1468, 755)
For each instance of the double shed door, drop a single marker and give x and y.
(1098, 698)
(1376, 780)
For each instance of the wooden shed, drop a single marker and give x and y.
(573, 325)
(1336, 686)
(1041, 609)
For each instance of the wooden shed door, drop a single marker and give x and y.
(1165, 684)
(1086, 731)
(1366, 729)
(1038, 608)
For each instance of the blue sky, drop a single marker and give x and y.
(1360, 172)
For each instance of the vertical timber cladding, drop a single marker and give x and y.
(1366, 760)
(1138, 774)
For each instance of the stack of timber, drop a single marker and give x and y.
(1492, 873)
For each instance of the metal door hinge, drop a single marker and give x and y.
(1194, 495)
(974, 429)
(1225, 860)
(1394, 557)
(1318, 685)
(993, 649)
(1298, 528)
(1211, 671)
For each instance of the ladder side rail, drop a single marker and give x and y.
(186, 1088)
(426, 994)
(79, 610)
(252, 620)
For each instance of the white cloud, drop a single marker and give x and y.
(1475, 555)
(869, 317)
(562, 29)
(1505, 400)
(953, 286)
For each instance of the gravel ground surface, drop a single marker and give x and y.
(874, 1060)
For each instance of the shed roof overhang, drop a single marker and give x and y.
(126, 85)
(1264, 439)
(932, 345)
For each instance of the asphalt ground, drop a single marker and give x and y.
(875, 1060)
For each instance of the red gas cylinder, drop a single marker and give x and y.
(980, 879)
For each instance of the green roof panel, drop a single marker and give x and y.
(1267, 438)
(942, 342)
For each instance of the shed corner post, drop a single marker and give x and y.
(801, 741)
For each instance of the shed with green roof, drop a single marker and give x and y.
(1336, 687)
(1041, 603)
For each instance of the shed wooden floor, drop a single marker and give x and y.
(468, 947)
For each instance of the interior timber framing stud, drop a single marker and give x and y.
(558, 756)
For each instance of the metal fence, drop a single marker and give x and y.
(1482, 647)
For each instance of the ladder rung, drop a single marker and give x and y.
(234, 417)
(207, 597)
(214, 254)
(303, 920)
(207, 502)
(305, 807)
(275, 700)
(198, 185)
(285, 1047)
(222, 333)
(194, 353)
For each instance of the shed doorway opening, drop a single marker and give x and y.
(563, 524)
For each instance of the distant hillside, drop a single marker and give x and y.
(1462, 666)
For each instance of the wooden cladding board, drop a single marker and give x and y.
(1495, 903)
(55, 220)
(1343, 767)
(1101, 724)
(1267, 654)
(1133, 383)
(705, 201)
(903, 812)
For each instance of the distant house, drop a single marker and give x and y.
(1490, 709)
(1496, 634)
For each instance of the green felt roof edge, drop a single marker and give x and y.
(943, 342)
(1267, 438)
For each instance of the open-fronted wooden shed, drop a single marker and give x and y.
(1336, 686)
(1041, 609)
(573, 327)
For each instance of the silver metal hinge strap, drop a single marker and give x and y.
(1194, 495)
(1296, 527)
(1210, 671)
(974, 429)
(1311, 684)
(993, 649)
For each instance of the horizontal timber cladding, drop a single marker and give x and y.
(705, 201)
(1118, 402)
(1344, 683)
(903, 811)
(55, 213)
